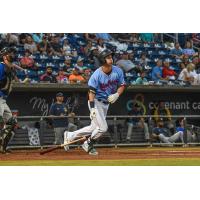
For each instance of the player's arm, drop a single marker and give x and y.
(121, 89)
(91, 96)
(113, 97)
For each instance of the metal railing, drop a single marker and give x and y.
(115, 119)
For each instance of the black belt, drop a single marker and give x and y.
(102, 101)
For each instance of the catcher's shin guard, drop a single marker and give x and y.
(7, 136)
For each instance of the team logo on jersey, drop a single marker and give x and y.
(110, 84)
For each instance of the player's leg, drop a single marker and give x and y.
(2, 103)
(59, 134)
(72, 127)
(177, 136)
(146, 132)
(72, 135)
(2, 123)
(101, 128)
(8, 130)
(69, 136)
(163, 138)
(129, 132)
(56, 133)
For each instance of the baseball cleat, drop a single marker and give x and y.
(93, 152)
(85, 146)
(88, 149)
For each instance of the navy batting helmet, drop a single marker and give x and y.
(103, 55)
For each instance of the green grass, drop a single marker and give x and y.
(134, 162)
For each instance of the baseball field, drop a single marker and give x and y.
(121, 156)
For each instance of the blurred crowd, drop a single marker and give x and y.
(145, 58)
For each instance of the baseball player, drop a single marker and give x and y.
(105, 86)
(7, 121)
(162, 134)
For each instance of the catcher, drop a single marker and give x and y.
(7, 121)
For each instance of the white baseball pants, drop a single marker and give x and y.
(98, 125)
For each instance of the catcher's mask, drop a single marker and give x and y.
(9, 53)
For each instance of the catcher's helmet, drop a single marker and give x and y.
(8, 51)
(103, 55)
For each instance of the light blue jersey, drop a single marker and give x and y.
(105, 84)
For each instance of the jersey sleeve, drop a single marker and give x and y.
(93, 83)
(121, 78)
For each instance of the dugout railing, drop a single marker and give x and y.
(191, 133)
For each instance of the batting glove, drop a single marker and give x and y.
(92, 113)
(113, 97)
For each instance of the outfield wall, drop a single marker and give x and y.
(36, 99)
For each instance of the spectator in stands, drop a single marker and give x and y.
(79, 64)
(189, 50)
(75, 77)
(130, 55)
(68, 65)
(93, 57)
(157, 74)
(141, 80)
(143, 61)
(37, 37)
(124, 63)
(177, 52)
(30, 44)
(48, 76)
(124, 37)
(167, 72)
(86, 74)
(59, 124)
(12, 39)
(163, 135)
(196, 62)
(61, 77)
(157, 37)
(185, 61)
(87, 48)
(44, 45)
(90, 37)
(135, 37)
(188, 74)
(138, 122)
(22, 38)
(196, 39)
(66, 48)
(100, 45)
(146, 37)
(74, 53)
(103, 36)
(56, 46)
(27, 62)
